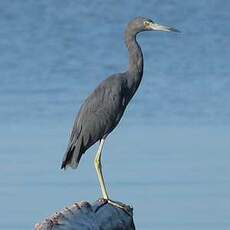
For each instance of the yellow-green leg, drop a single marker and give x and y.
(98, 166)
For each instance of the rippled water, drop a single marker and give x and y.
(172, 146)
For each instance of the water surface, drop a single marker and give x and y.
(169, 157)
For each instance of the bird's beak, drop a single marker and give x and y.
(158, 27)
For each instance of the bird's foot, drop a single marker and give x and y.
(120, 205)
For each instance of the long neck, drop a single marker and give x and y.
(135, 69)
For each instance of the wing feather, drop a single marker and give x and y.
(98, 116)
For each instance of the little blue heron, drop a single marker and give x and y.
(103, 109)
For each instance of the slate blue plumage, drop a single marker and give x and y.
(103, 109)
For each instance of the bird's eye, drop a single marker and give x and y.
(146, 24)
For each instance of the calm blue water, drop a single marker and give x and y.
(169, 157)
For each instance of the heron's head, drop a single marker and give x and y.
(140, 24)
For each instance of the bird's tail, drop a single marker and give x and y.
(72, 155)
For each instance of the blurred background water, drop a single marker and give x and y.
(171, 147)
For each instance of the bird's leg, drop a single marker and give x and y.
(98, 166)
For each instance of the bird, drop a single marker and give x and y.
(103, 109)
